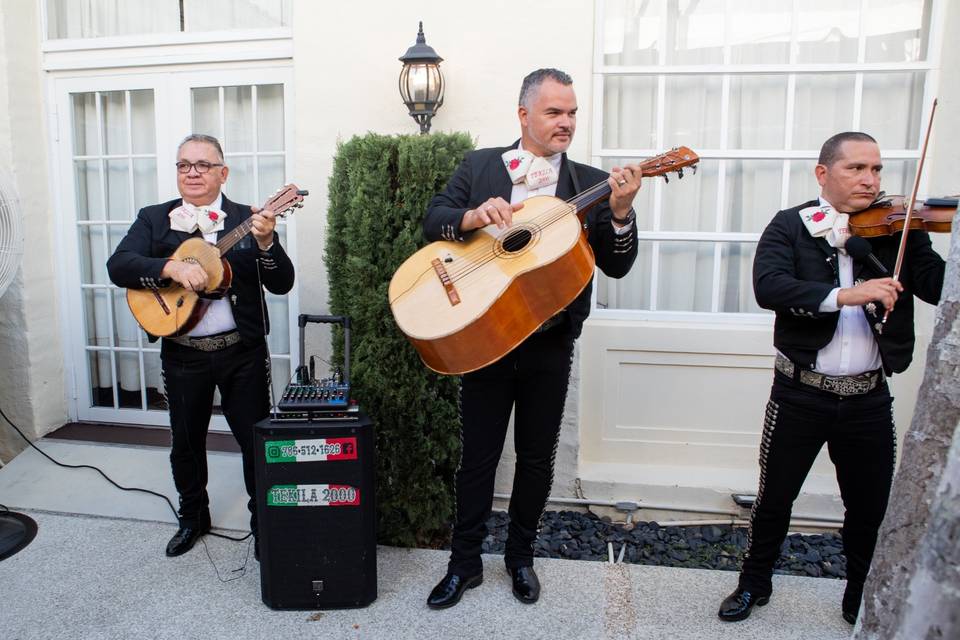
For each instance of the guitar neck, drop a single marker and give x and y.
(584, 200)
(236, 235)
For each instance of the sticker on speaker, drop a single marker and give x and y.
(313, 495)
(316, 450)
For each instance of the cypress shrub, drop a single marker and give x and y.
(379, 191)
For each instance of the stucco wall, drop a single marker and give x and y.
(31, 353)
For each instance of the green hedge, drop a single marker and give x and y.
(379, 192)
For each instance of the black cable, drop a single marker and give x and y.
(107, 478)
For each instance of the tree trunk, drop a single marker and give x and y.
(907, 583)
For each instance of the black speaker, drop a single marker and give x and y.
(316, 513)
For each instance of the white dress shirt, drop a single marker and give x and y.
(853, 348)
(218, 317)
(521, 192)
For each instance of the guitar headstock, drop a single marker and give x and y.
(286, 199)
(674, 160)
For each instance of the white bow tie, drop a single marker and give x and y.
(188, 218)
(523, 166)
(825, 222)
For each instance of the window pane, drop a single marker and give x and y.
(144, 184)
(101, 18)
(89, 197)
(92, 256)
(736, 278)
(85, 141)
(803, 184)
(892, 104)
(631, 32)
(96, 307)
(757, 107)
(206, 111)
(752, 194)
(217, 15)
(633, 290)
(271, 176)
(897, 30)
(113, 110)
(692, 112)
(143, 122)
(240, 183)
(119, 203)
(686, 276)
(280, 376)
(629, 112)
(897, 176)
(128, 370)
(691, 204)
(827, 31)
(238, 119)
(156, 400)
(760, 31)
(101, 379)
(695, 32)
(643, 202)
(279, 339)
(823, 106)
(270, 117)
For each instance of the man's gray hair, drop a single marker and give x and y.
(830, 151)
(534, 79)
(205, 139)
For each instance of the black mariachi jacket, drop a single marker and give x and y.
(143, 252)
(793, 272)
(482, 175)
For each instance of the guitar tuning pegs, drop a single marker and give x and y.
(693, 168)
(666, 178)
(680, 173)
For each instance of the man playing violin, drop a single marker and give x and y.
(226, 350)
(486, 190)
(834, 351)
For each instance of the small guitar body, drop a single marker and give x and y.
(172, 310)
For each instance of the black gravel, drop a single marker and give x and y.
(584, 536)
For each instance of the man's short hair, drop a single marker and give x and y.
(534, 79)
(204, 138)
(830, 151)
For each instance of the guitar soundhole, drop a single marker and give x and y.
(517, 240)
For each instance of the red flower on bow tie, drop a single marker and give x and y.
(818, 216)
(514, 163)
(213, 216)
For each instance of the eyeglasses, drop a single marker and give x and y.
(202, 166)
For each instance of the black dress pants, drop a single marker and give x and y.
(532, 380)
(241, 373)
(861, 439)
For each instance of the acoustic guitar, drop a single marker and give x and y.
(464, 305)
(172, 310)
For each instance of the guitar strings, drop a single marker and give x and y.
(481, 256)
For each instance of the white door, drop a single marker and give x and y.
(115, 140)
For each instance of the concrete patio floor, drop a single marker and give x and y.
(97, 570)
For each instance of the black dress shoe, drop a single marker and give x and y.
(449, 590)
(183, 540)
(526, 585)
(850, 606)
(737, 605)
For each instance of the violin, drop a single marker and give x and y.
(887, 216)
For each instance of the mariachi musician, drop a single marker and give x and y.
(834, 351)
(226, 350)
(487, 188)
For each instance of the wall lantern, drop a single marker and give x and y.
(421, 83)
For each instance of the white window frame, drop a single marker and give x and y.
(661, 70)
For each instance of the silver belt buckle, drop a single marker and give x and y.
(209, 343)
(841, 385)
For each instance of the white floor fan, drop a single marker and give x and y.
(16, 529)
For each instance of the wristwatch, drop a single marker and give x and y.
(631, 216)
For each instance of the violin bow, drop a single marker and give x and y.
(913, 199)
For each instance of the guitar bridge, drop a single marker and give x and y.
(445, 280)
